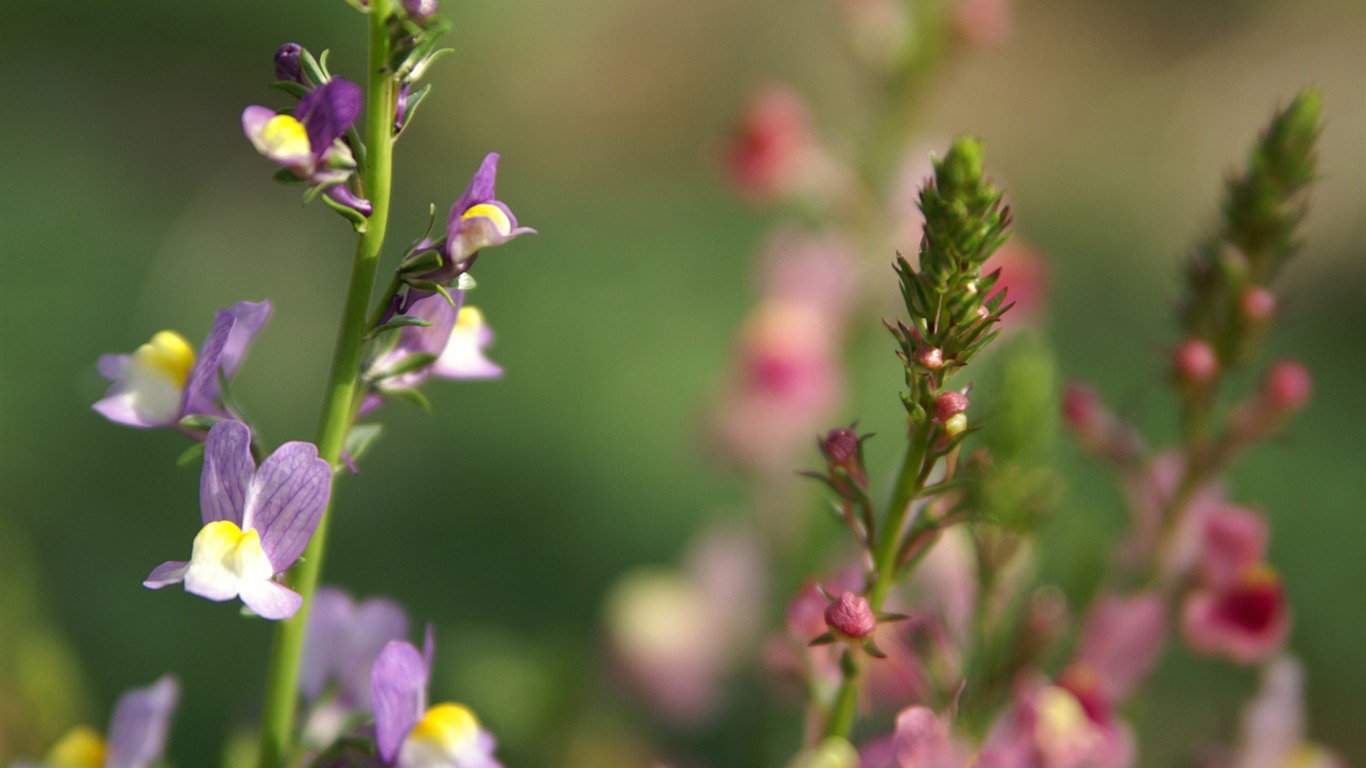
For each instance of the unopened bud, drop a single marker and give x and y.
(955, 425)
(1258, 304)
(841, 446)
(930, 357)
(948, 405)
(1287, 386)
(1083, 409)
(851, 616)
(420, 10)
(287, 63)
(1195, 361)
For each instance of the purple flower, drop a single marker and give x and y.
(477, 221)
(420, 10)
(407, 732)
(137, 732)
(343, 640)
(308, 142)
(457, 338)
(164, 380)
(256, 523)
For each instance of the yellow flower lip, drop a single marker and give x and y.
(448, 726)
(81, 747)
(497, 215)
(285, 138)
(168, 354)
(222, 544)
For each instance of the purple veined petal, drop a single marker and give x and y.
(270, 599)
(286, 500)
(327, 112)
(480, 190)
(201, 388)
(141, 721)
(250, 316)
(121, 407)
(329, 619)
(227, 475)
(169, 572)
(112, 367)
(398, 688)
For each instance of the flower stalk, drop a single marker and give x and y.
(282, 682)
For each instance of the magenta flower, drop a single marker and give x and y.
(165, 380)
(1054, 726)
(1122, 641)
(478, 220)
(408, 733)
(343, 640)
(137, 732)
(1246, 619)
(309, 143)
(256, 523)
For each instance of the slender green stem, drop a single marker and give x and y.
(277, 718)
(910, 482)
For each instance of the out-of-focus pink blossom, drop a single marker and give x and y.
(1258, 304)
(1049, 727)
(1286, 387)
(983, 23)
(1235, 539)
(1152, 494)
(1122, 641)
(1195, 363)
(1024, 276)
(1273, 728)
(772, 147)
(1246, 620)
(878, 29)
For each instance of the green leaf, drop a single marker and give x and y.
(297, 90)
(399, 321)
(361, 439)
(408, 364)
(286, 176)
(190, 454)
(358, 220)
(199, 422)
(410, 395)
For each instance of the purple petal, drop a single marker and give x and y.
(271, 600)
(286, 501)
(327, 112)
(227, 474)
(250, 315)
(378, 622)
(254, 119)
(201, 388)
(119, 407)
(112, 367)
(480, 190)
(169, 572)
(138, 729)
(430, 340)
(398, 687)
(329, 618)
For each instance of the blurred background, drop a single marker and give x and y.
(131, 202)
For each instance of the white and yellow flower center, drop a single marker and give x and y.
(446, 733)
(81, 747)
(224, 557)
(501, 223)
(462, 350)
(1062, 724)
(157, 373)
(284, 139)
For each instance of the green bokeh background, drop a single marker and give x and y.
(130, 202)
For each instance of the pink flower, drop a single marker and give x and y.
(766, 155)
(1051, 726)
(1246, 620)
(1122, 641)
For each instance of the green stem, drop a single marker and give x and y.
(277, 718)
(910, 483)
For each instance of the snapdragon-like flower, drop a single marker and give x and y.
(409, 734)
(478, 220)
(256, 523)
(309, 143)
(454, 341)
(137, 733)
(343, 639)
(165, 380)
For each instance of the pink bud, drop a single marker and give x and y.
(948, 405)
(764, 155)
(841, 446)
(851, 616)
(1287, 386)
(1082, 408)
(930, 357)
(1258, 304)
(1195, 361)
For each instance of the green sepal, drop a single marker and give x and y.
(422, 263)
(825, 639)
(358, 220)
(297, 90)
(199, 422)
(287, 176)
(408, 365)
(399, 321)
(410, 395)
(871, 649)
(414, 99)
(434, 287)
(360, 439)
(315, 70)
(887, 618)
(190, 454)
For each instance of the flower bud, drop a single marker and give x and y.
(930, 357)
(1195, 361)
(948, 405)
(1287, 387)
(1083, 410)
(288, 66)
(851, 616)
(1257, 304)
(955, 425)
(420, 10)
